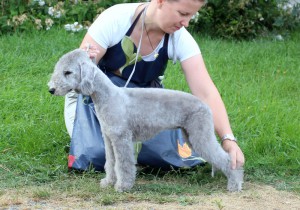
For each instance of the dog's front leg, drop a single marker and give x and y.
(110, 178)
(125, 163)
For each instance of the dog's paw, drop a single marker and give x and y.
(104, 183)
(123, 187)
(234, 186)
(235, 180)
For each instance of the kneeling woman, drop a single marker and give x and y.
(132, 43)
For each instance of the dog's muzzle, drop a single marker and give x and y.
(52, 90)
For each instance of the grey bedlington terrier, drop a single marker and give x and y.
(145, 112)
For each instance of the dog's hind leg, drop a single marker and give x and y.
(125, 162)
(202, 138)
(110, 178)
(212, 152)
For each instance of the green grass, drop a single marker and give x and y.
(258, 80)
(260, 85)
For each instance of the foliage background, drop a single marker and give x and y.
(247, 19)
(230, 19)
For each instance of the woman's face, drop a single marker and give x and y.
(172, 15)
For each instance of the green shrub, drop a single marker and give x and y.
(26, 15)
(19, 16)
(238, 19)
(246, 19)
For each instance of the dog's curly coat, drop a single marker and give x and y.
(129, 114)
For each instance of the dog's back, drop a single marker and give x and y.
(153, 109)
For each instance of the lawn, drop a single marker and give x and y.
(258, 80)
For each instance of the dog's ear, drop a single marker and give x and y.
(87, 78)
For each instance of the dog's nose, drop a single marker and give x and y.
(52, 91)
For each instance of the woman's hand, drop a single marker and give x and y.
(92, 50)
(236, 154)
(95, 51)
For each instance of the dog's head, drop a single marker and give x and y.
(73, 71)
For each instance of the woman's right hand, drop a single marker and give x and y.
(95, 51)
(92, 50)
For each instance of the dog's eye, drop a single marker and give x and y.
(66, 73)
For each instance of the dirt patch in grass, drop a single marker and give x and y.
(254, 196)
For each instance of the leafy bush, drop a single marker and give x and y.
(239, 19)
(246, 19)
(24, 15)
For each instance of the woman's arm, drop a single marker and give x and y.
(202, 86)
(95, 50)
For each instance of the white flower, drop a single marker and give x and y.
(15, 20)
(57, 14)
(22, 18)
(38, 23)
(19, 20)
(51, 11)
(288, 6)
(279, 37)
(68, 27)
(49, 22)
(54, 12)
(75, 27)
(41, 3)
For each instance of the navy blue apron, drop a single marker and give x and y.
(166, 150)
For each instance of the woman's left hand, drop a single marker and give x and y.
(236, 154)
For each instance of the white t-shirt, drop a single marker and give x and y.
(112, 24)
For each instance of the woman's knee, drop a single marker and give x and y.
(70, 110)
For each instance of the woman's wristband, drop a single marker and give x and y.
(228, 137)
